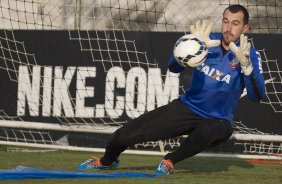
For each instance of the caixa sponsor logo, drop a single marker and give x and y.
(214, 73)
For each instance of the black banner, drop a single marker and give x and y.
(57, 62)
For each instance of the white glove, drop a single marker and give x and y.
(203, 29)
(242, 54)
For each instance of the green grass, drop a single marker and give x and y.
(196, 170)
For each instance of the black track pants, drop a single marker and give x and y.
(171, 120)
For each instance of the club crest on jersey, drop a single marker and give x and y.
(234, 63)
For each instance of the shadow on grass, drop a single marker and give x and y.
(196, 165)
(207, 165)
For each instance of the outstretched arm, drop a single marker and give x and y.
(250, 62)
(202, 29)
(254, 82)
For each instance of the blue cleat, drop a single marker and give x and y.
(96, 164)
(164, 168)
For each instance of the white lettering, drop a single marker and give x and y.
(211, 71)
(114, 107)
(82, 91)
(135, 95)
(226, 78)
(218, 74)
(159, 93)
(259, 62)
(205, 69)
(130, 94)
(62, 99)
(28, 90)
(200, 67)
(47, 92)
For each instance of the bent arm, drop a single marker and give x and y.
(254, 83)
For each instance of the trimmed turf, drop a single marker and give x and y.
(194, 170)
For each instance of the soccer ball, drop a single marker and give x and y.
(190, 50)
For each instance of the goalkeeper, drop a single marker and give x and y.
(206, 109)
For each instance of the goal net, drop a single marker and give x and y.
(120, 75)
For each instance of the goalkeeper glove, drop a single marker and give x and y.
(242, 54)
(203, 29)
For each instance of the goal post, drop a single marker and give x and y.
(110, 129)
(57, 127)
(257, 145)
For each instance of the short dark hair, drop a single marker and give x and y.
(237, 8)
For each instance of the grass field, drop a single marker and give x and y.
(196, 170)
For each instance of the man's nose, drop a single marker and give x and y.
(229, 27)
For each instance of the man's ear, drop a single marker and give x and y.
(246, 28)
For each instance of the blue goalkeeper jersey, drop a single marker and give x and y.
(217, 84)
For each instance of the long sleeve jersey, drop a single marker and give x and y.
(217, 84)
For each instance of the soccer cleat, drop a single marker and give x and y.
(96, 164)
(165, 167)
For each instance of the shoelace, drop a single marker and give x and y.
(95, 162)
(167, 165)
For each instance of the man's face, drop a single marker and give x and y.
(233, 26)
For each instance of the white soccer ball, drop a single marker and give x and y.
(191, 50)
